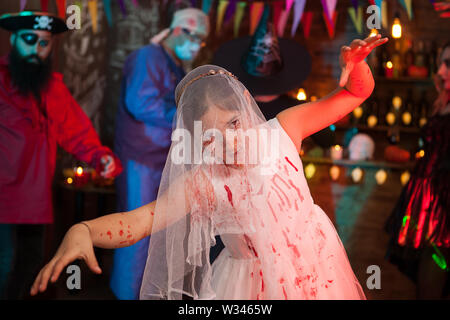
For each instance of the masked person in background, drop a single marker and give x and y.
(37, 113)
(144, 127)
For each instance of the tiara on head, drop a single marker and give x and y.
(209, 73)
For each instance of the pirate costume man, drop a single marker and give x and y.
(37, 113)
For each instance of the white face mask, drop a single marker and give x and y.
(187, 51)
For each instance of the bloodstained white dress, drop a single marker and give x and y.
(292, 250)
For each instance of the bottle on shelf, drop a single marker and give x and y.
(383, 58)
(391, 117)
(420, 70)
(409, 58)
(432, 59)
(408, 110)
(423, 109)
(397, 60)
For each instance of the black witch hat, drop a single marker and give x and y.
(265, 64)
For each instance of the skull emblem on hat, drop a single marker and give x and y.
(43, 22)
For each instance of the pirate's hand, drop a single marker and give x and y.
(108, 166)
(356, 53)
(77, 244)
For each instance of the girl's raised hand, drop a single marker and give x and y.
(355, 53)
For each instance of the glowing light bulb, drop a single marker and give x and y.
(404, 178)
(373, 33)
(310, 170)
(334, 172)
(372, 121)
(406, 118)
(79, 171)
(420, 154)
(396, 29)
(358, 112)
(389, 65)
(313, 98)
(380, 176)
(390, 118)
(397, 102)
(422, 122)
(357, 175)
(301, 95)
(69, 180)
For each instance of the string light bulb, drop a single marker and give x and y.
(397, 102)
(373, 32)
(397, 27)
(390, 118)
(406, 118)
(372, 121)
(357, 112)
(381, 176)
(301, 95)
(357, 174)
(335, 172)
(310, 170)
(404, 178)
(79, 171)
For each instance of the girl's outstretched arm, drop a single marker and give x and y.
(356, 85)
(113, 231)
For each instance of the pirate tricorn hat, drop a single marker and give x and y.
(33, 20)
(265, 64)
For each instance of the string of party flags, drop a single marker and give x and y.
(227, 10)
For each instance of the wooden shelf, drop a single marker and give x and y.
(380, 128)
(362, 164)
(410, 80)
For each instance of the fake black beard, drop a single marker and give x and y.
(29, 78)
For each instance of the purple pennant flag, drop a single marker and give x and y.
(328, 7)
(299, 6)
(355, 4)
(194, 3)
(230, 10)
(23, 3)
(123, 9)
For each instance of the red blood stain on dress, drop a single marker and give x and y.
(121, 233)
(297, 189)
(287, 159)
(230, 195)
(109, 234)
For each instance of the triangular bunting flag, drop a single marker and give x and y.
(299, 6)
(61, 6)
(206, 6)
(122, 7)
(408, 4)
(108, 12)
(330, 24)
(357, 18)
(306, 23)
(384, 15)
(284, 16)
(23, 3)
(329, 7)
(240, 10)
(277, 10)
(256, 11)
(92, 6)
(231, 8)
(289, 4)
(44, 5)
(223, 4)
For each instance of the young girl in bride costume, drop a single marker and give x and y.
(278, 243)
